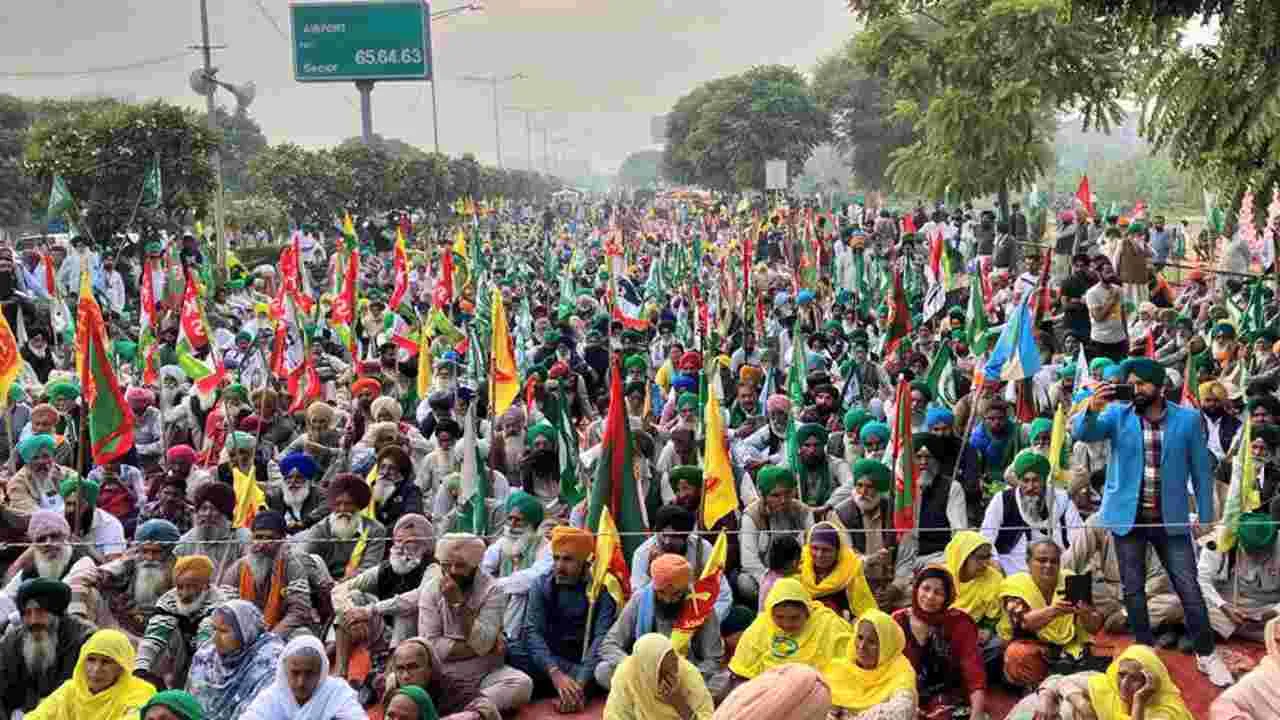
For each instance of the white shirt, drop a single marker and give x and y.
(1015, 561)
(1111, 329)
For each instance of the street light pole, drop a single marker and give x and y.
(528, 126)
(493, 81)
(215, 155)
(435, 106)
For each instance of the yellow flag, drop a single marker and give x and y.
(249, 497)
(1057, 440)
(609, 562)
(719, 496)
(348, 227)
(424, 361)
(505, 381)
(1243, 495)
(460, 243)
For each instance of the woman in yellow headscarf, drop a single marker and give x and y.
(102, 687)
(878, 682)
(793, 629)
(1136, 686)
(978, 578)
(655, 683)
(833, 573)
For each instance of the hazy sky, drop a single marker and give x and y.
(607, 67)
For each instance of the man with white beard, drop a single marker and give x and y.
(183, 619)
(40, 653)
(391, 588)
(867, 514)
(212, 535)
(1031, 510)
(298, 499)
(271, 577)
(510, 437)
(347, 542)
(123, 593)
(51, 556)
(520, 544)
(394, 491)
(35, 486)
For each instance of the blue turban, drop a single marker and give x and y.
(938, 416)
(157, 531)
(804, 297)
(874, 430)
(1113, 373)
(684, 383)
(34, 444)
(301, 462)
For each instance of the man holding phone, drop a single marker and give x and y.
(1157, 448)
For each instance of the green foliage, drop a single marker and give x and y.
(861, 122)
(981, 82)
(251, 213)
(395, 147)
(242, 139)
(306, 182)
(426, 181)
(721, 133)
(16, 186)
(641, 169)
(103, 152)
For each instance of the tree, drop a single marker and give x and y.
(103, 153)
(981, 82)
(251, 213)
(862, 122)
(242, 139)
(721, 133)
(641, 169)
(16, 187)
(395, 147)
(426, 182)
(306, 182)
(465, 173)
(368, 177)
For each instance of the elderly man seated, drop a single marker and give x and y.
(181, 622)
(520, 544)
(35, 486)
(123, 593)
(1045, 633)
(460, 616)
(212, 535)
(391, 588)
(395, 493)
(1242, 589)
(655, 609)
(299, 499)
(39, 653)
(673, 533)
(272, 577)
(52, 556)
(89, 522)
(1030, 510)
(346, 541)
(560, 646)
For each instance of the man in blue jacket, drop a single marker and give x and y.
(1157, 448)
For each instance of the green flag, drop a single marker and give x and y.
(938, 368)
(571, 491)
(615, 485)
(60, 200)
(976, 328)
(152, 187)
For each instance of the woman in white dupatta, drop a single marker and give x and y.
(304, 690)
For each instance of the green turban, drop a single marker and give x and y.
(528, 506)
(1145, 369)
(125, 349)
(35, 444)
(687, 401)
(1099, 364)
(1067, 371)
(769, 477)
(88, 489)
(551, 336)
(855, 419)
(241, 441)
(542, 429)
(426, 707)
(61, 390)
(878, 471)
(691, 474)
(182, 704)
(236, 391)
(1257, 532)
(1039, 426)
(811, 430)
(1031, 461)
(153, 246)
(635, 362)
(874, 429)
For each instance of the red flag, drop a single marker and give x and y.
(906, 479)
(899, 320)
(400, 265)
(442, 296)
(344, 306)
(908, 224)
(1084, 195)
(304, 384)
(191, 318)
(1150, 350)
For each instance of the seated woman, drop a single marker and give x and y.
(794, 628)
(171, 705)
(362, 648)
(410, 703)
(878, 682)
(942, 645)
(970, 558)
(303, 689)
(787, 692)
(236, 663)
(833, 573)
(1136, 686)
(655, 683)
(1044, 632)
(1257, 694)
(102, 687)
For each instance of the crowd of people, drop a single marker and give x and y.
(958, 453)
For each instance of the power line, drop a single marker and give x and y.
(271, 19)
(33, 74)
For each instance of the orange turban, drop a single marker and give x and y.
(366, 384)
(572, 541)
(670, 571)
(751, 374)
(197, 565)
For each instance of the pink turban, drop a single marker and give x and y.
(181, 454)
(787, 692)
(464, 547)
(413, 527)
(47, 522)
(670, 571)
(139, 394)
(778, 403)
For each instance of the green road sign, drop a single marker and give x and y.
(361, 41)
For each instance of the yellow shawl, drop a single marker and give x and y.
(634, 694)
(764, 645)
(73, 701)
(847, 575)
(1065, 631)
(859, 690)
(980, 597)
(1166, 703)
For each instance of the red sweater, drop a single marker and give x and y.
(952, 661)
